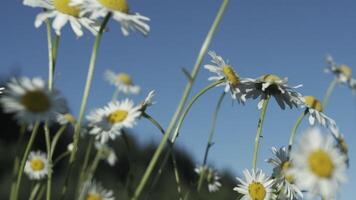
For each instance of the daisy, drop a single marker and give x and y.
(148, 101)
(95, 191)
(256, 186)
(37, 165)
(66, 118)
(318, 166)
(284, 180)
(106, 123)
(31, 101)
(273, 85)
(122, 81)
(343, 73)
(233, 83)
(211, 177)
(62, 13)
(107, 153)
(119, 10)
(315, 110)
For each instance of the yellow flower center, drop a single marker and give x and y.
(117, 116)
(321, 164)
(63, 6)
(37, 164)
(257, 191)
(314, 103)
(116, 5)
(285, 166)
(345, 70)
(94, 196)
(125, 78)
(35, 101)
(70, 118)
(270, 78)
(230, 75)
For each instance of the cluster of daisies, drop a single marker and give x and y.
(87, 14)
(317, 164)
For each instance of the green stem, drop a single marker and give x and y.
(176, 175)
(90, 75)
(40, 194)
(52, 54)
(183, 100)
(85, 164)
(60, 157)
(49, 160)
(210, 139)
(24, 158)
(115, 95)
(259, 131)
(93, 166)
(294, 130)
(190, 104)
(329, 91)
(56, 138)
(34, 191)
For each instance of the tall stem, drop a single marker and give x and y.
(49, 160)
(210, 139)
(90, 75)
(294, 130)
(329, 91)
(24, 158)
(183, 100)
(259, 131)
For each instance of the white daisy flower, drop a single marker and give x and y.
(70, 147)
(1, 89)
(92, 190)
(36, 166)
(31, 101)
(256, 186)
(107, 153)
(318, 166)
(315, 111)
(119, 10)
(66, 118)
(233, 84)
(148, 100)
(284, 180)
(122, 81)
(273, 85)
(211, 177)
(62, 13)
(342, 72)
(106, 123)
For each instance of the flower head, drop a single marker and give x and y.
(273, 85)
(122, 81)
(36, 165)
(31, 101)
(255, 186)
(92, 190)
(62, 13)
(107, 153)
(107, 122)
(148, 100)
(318, 166)
(342, 72)
(284, 180)
(210, 176)
(120, 12)
(66, 118)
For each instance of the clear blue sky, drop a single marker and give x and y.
(289, 38)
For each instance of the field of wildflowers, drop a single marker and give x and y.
(93, 156)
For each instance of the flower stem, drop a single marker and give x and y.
(60, 157)
(210, 139)
(85, 164)
(35, 191)
(329, 91)
(24, 158)
(294, 130)
(56, 138)
(52, 54)
(77, 128)
(259, 131)
(176, 175)
(183, 100)
(49, 160)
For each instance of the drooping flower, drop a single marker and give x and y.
(31, 101)
(273, 85)
(62, 13)
(107, 153)
(92, 190)
(148, 101)
(318, 166)
(36, 166)
(284, 181)
(120, 12)
(255, 186)
(122, 81)
(107, 122)
(210, 176)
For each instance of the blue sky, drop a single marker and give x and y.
(288, 38)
